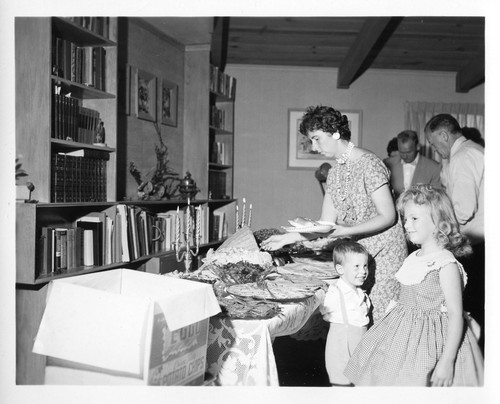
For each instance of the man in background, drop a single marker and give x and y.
(410, 167)
(462, 175)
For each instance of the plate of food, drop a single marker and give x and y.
(310, 271)
(279, 290)
(305, 225)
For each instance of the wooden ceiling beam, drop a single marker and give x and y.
(471, 75)
(368, 36)
(218, 52)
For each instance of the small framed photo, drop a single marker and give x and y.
(145, 100)
(300, 153)
(167, 103)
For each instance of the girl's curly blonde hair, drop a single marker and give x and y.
(443, 215)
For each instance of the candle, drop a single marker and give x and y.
(250, 215)
(243, 213)
(177, 229)
(237, 218)
(188, 224)
(198, 225)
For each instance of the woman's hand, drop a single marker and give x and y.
(443, 374)
(279, 240)
(339, 231)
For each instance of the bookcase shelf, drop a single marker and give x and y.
(80, 35)
(32, 218)
(216, 166)
(71, 145)
(81, 91)
(221, 133)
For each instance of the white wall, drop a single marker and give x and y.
(263, 96)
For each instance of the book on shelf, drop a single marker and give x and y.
(217, 117)
(89, 253)
(99, 25)
(219, 223)
(222, 83)
(217, 183)
(79, 64)
(72, 121)
(76, 177)
(60, 249)
(220, 153)
(228, 218)
(95, 222)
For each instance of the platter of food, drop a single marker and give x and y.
(305, 225)
(320, 271)
(291, 288)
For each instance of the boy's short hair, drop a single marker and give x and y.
(343, 247)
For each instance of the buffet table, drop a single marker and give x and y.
(240, 352)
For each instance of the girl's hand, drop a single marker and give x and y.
(442, 376)
(277, 241)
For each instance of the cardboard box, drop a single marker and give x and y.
(125, 327)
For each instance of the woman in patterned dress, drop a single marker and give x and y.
(423, 340)
(358, 199)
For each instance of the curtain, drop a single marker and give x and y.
(417, 114)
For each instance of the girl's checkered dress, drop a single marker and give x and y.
(403, 348)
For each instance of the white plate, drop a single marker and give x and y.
(322, 227)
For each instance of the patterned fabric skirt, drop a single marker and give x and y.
(403, 348)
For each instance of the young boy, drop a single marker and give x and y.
(346, 307)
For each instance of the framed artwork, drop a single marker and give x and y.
(300, 153)
(145, 96)
(167, 103)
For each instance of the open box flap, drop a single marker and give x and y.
(183, 302)
(93, 327)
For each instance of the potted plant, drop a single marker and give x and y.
(23, 190)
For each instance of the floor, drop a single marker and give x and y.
(300, 363)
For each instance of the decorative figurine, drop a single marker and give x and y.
(188, 188)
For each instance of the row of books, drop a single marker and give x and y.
(84, 65)
(217, 184)
(72, 121)
(98, 25)
(220, 153)
(79, 176)
(218, 118)
(222, 83)
(124, 233)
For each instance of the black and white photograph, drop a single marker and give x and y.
(291, 202)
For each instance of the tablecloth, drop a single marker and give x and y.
(240, 352)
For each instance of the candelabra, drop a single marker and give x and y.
(190, 237)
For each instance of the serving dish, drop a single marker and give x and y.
(320, 227)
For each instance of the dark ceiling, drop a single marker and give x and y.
(355, 44)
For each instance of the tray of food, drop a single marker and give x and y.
(248, 308)
(281, 289)
(314, 271)
(305, 225)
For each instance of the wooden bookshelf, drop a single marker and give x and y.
(221, 133)
(36, 85)
(32, 218)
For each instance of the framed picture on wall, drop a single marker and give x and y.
(167, 102)
(300, 153)
(145, 97)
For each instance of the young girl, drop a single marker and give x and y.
(423, 340)
(346, 307)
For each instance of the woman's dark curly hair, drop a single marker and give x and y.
(443, 215)
(326, 119)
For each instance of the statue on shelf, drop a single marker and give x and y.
(164, 182)
(187, 187)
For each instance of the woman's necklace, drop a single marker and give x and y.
(344, 159)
